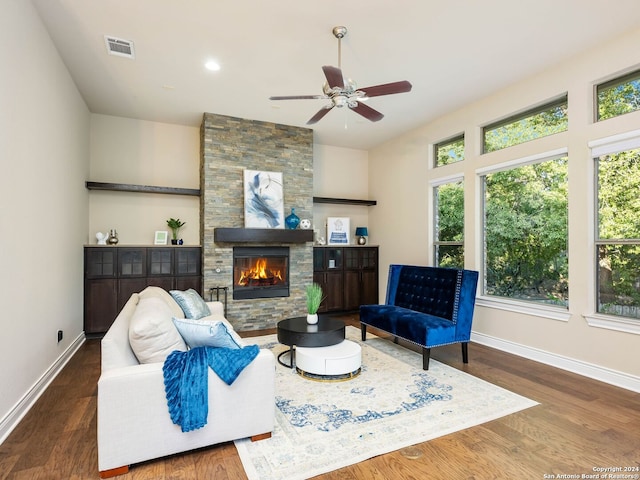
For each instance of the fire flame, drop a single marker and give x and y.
(260, 273)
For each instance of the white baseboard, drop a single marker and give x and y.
(11, 420)
(603, 374)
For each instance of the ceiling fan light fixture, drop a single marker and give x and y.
(343, 91)
(340, 101)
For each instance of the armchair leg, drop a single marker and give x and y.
(465, 352)
(426, 353)
(363, 330)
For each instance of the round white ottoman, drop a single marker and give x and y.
(336, 362)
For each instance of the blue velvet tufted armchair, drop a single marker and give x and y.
(428, 306)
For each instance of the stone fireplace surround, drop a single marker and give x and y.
(228, 146)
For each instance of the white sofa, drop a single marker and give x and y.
(133, 418)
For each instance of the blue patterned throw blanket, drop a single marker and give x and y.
(186, 380)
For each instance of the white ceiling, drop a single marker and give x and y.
(452, 51)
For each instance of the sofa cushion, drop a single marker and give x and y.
(192, 304)
(152, 334)
(418, 327)
(203, 333)
(162, 294)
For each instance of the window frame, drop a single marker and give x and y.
(553, 312)
(443, 143)
(612, 83)
(605, 146)
(530, 112)
(435, 242)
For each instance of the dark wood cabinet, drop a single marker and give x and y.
(360, 277)
(348, 276)
(100, 287)
(328, 273)
(112, 274)
(100, 304)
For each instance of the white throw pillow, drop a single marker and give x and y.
(198, 333)
(152, 334)
(161, 293)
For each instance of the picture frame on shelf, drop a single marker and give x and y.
(161, 237)
(338, 231)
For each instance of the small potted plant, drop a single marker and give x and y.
(314, 299)
(175, 224)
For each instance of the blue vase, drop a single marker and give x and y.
(292, 221)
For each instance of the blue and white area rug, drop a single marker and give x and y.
(392, 404)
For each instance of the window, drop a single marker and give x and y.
(535, 123)
(449, 151)
(618, 96)
(448, 245)
(525, 232)
(618, 233)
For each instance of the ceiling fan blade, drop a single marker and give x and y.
(367, 112)
(321, 113)
(387, 89)
(298, 97)
(334, 76)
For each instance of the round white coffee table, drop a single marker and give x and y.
(335, 362)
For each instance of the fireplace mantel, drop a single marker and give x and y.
(261, 235)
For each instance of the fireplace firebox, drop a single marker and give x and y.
(260, 272)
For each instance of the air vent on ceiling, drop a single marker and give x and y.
(119, 46)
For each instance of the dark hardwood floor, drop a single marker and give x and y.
(580, 425)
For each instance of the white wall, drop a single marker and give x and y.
(44, 149)
(403, 220)
(140, 152)
(340, 173)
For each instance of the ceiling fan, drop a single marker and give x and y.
(345, 93)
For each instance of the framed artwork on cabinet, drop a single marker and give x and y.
(337, 231)
(161, 237)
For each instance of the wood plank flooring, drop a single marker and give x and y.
(580, 424)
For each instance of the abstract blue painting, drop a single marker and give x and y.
(263, 199)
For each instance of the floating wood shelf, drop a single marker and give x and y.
(126, 187)
(261, 235)
(344, 201)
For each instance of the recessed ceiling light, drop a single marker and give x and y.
(212, 65)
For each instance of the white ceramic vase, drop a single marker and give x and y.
(312, 318)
